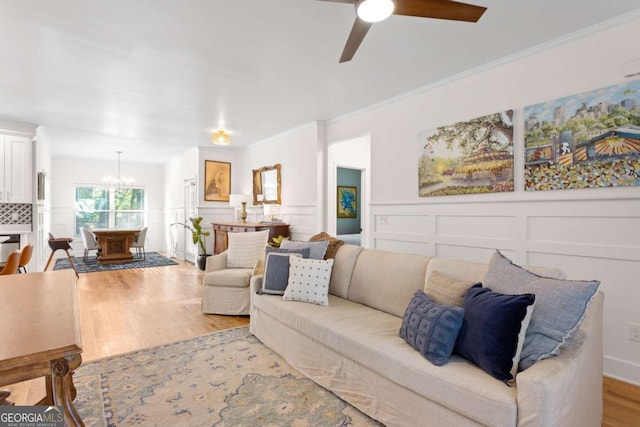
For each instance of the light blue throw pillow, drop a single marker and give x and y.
(559, 310)
(431, 328)
(317, 249)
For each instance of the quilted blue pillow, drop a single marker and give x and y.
(493, 330)
(431, 328)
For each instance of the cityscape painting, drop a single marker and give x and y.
(588, 140)
(470, 157)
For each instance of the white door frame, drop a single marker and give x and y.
(365, 190)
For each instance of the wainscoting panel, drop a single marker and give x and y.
(492, 227)
(586, 237)
(590, 230)
(401, 246)
(469, 253)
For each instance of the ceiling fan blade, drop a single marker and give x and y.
(358, 32)
(439, 9)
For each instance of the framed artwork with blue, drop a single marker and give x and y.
(347, 202)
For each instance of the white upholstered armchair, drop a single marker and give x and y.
(225, 284)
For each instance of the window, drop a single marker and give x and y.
(101, 207)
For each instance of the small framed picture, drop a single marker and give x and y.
(347, 202)
(217, 181)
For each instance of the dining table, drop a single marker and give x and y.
(115, 244)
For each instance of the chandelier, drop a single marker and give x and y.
(118, 183)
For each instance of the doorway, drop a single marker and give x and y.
(351, 158)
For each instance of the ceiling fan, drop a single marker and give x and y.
(371, 11)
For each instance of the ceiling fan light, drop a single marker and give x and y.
(374, 10)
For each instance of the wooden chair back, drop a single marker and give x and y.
(25, 257)
(12, 264)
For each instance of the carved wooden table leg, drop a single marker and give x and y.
(4, 398)
(63, 389)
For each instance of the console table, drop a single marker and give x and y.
(40, 335)
(220, 230)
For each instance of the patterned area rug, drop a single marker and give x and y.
(153, 259)
(227, 378)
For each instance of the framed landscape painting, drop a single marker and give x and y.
(347, 202)
(217, 181)
(469, 157)
(588, 140)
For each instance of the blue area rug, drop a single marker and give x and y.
(227, 378)
(153, 259)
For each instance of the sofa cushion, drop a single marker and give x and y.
(230, 277)
(493, 330)
(560, 306)
(245, 249)
(318, 249)
(431, 328)
(474, 272)
(308, 280)
(387, 280)
(370, 338)
(343, 265)
(443, 289)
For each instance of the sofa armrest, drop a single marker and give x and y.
(216, 262)
(255, 284)
(567, 389)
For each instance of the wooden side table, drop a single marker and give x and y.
(220, 230)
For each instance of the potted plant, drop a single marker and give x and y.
(199, 239)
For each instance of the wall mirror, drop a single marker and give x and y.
(266, 185)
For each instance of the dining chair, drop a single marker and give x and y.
(138, 245)
(11, 266)
(89, 242)
(25, 257)
(62, 243)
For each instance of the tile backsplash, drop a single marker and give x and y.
(15, 213)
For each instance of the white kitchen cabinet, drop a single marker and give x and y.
(15, 179)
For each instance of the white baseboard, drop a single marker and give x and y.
(622, 370)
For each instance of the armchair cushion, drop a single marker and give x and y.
(246, 248)
(230, 277)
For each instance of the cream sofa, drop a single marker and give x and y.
(352, 348)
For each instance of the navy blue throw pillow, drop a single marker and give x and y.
(431, 328)
(493, 330)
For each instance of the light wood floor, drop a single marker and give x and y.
(126, 310)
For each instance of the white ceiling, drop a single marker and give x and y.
(154, 77)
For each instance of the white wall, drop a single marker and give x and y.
(42, 210)
(591, 234)
(301, 195)
(176, 173)
(67, 172)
